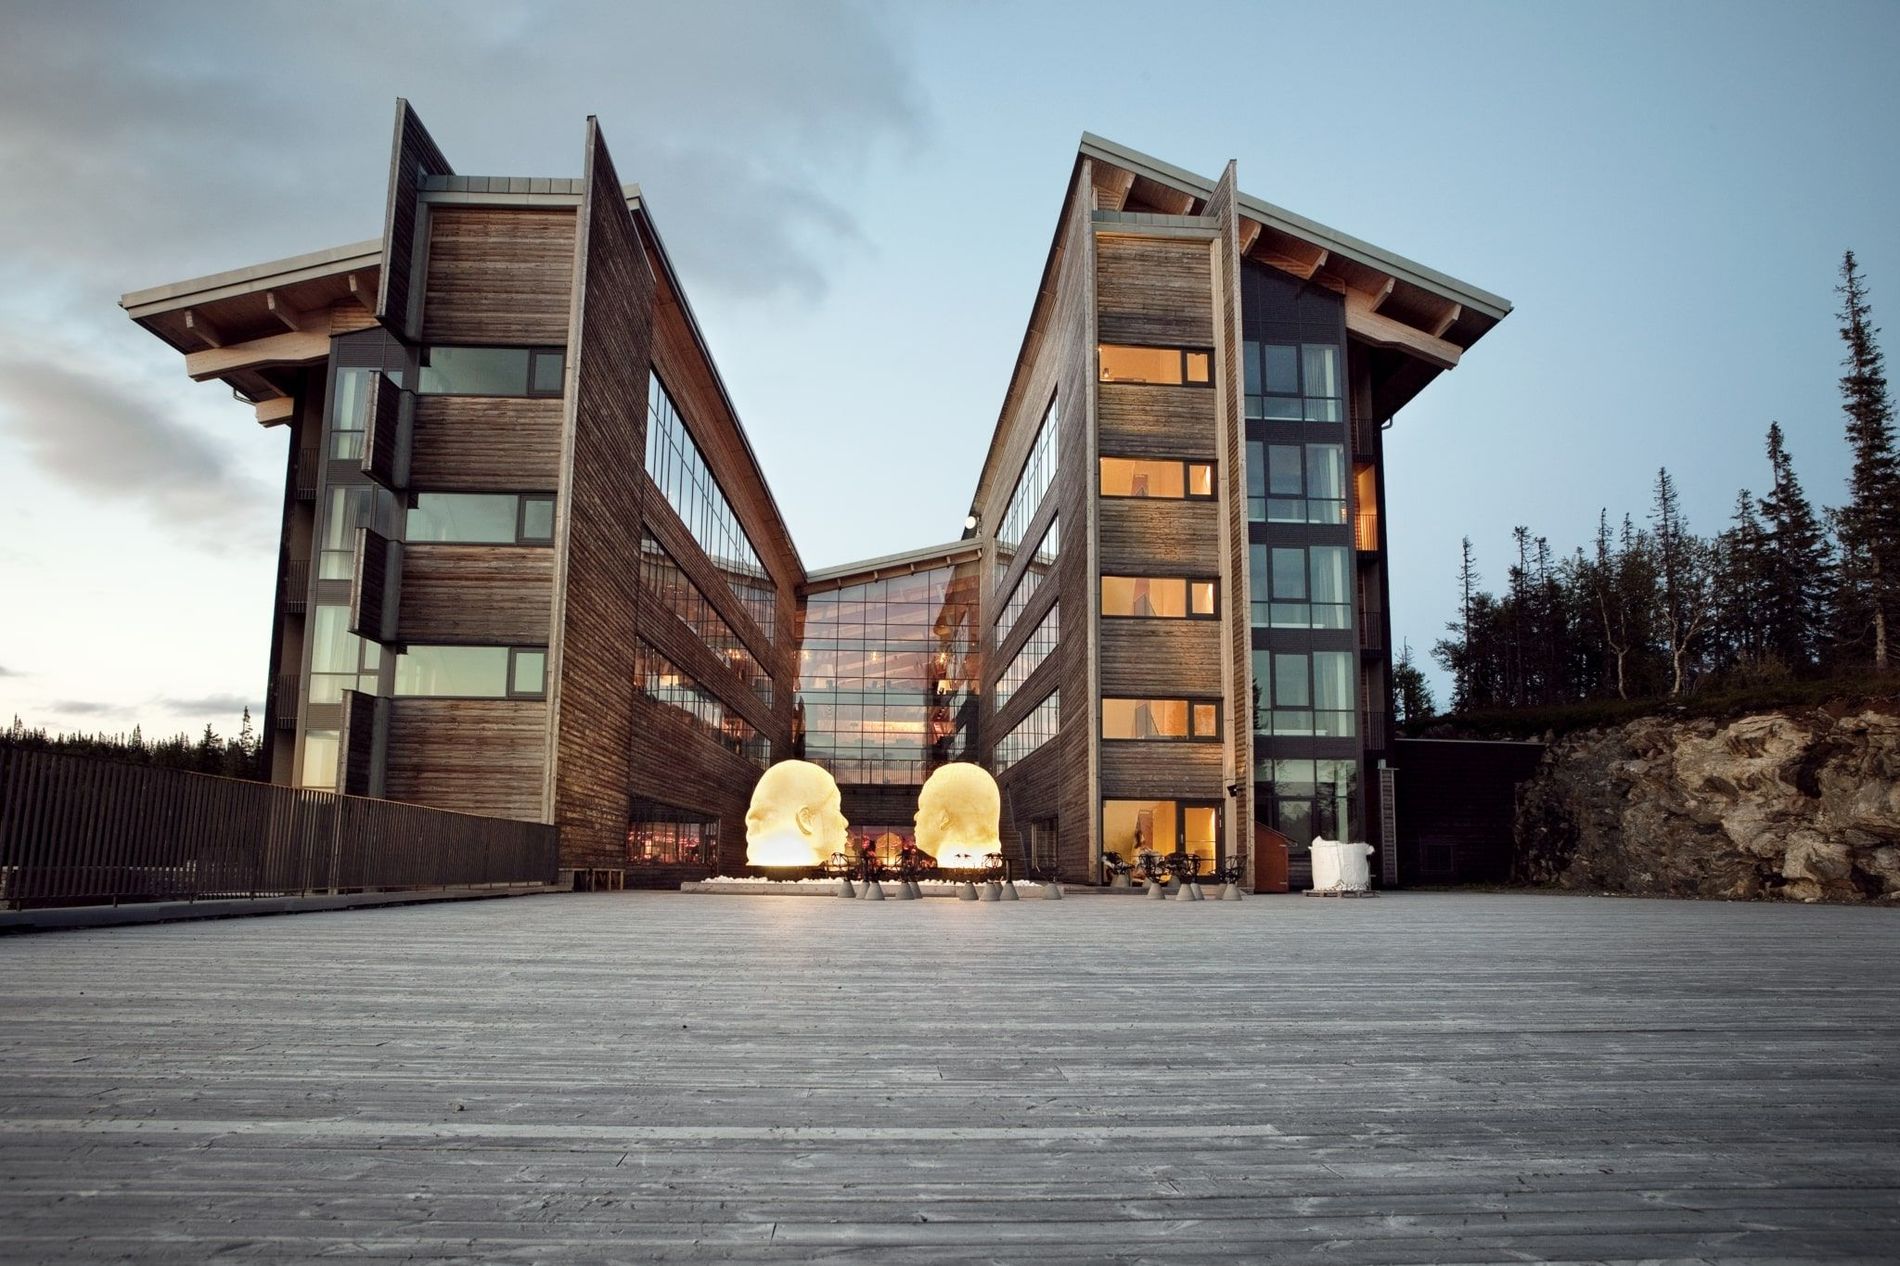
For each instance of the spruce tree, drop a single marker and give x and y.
(1685, 590)
(1411, 693)
(1797, 566)
(1869, 523)
(1741, 597)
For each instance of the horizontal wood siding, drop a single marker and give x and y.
(489, 594)
(484, 756)
(499, 275)
(1166, 538)
(1153, 290)
(1161, 657)
(1162, 771)
(1143, 421)
(598, 570)
(413, 155)
(481, 444)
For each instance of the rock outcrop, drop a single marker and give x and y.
(1800, 805)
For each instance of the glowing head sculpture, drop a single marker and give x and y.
(795, 818)
(957, 813)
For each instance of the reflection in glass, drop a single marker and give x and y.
(319, 759)
(1035, 649)
(1030, 733)
(463, 517)
(1039, 470)
(460, 672)
(490, 371)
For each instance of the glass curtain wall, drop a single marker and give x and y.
(1305, 652)
(887, 676)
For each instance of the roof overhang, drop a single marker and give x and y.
(904, 564)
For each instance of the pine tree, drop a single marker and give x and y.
(1797, 566)
(1411, 693)
(1741, 585)
(1870, 521)
(1458, 657)
(1685, 591)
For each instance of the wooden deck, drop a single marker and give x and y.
(629, 1076)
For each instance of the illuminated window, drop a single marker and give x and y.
(1131, 828)
(319, 758)
(1165, 597)
(1153, 477)
(1160, 719)
(1365, 517)
(1155, 366)
(1035, 729)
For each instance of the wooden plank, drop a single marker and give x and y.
(483, 756)
(413, 156)
(1153, 291)
(485, 444)
(499, 275)
(495, 595)
(1511, 1077)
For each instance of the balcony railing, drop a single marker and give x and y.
(296, 595)
(75, 830)
(286, 701)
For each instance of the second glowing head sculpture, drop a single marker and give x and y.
(957, 814)
(796, 818)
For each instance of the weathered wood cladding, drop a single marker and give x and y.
(485, 444)
(1141, 537)
(1162, 771)
(666, 527)
(597, 532)
(356, 772)
(675, 762)
(485, 756)
(1236, 616)
(691, 655)
(383, 427)
(1055, 780)
(1136, 420)
(1153, 290)
(413, 156)
(499, 275)
(1160, 658)
(377, 561)
(486, 594)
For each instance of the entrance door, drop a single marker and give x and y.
(1201, 834)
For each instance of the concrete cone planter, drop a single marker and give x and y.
(845, 889)
(1052, 891)
(990, 892)
(1198, 894)
(901, 892)
(966, 891)
(872, 892)
(1185, 892)
(1230, 893)
(1157, 892)
(1009, 891)
(1122, 881)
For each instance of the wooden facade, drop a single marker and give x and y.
(1143, 254)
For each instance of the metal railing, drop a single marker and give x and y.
(296, 594)
(76, 830)
(289, 688)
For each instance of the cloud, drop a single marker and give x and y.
(206, 704)
(10, 672)
(100, 438)
(87, 708)
(150, 160)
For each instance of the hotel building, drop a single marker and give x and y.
(530, 566)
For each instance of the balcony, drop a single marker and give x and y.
(296, 593)
(309, 471)
(287, 698)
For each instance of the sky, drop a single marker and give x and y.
(860, 197)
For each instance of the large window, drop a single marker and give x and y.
(1306, 798)
(888, 672)
(1031, 580)
(340, 660)
(348, 507)
(1159, 366)
(349, 410)
(1133, 827)
(679, 468)
(1160, 719)
(1302, 694)
(1167, 597)
(1301, 586)
(1293, 382)
(1034, 650)
(480, 518)
(1030, 733)
(1152, 477)
(660, 836)
(320, 749)
(665, 579)
(491, 371)
(666, 683)
(1296, 483)
(472, 672)
(1039, 470)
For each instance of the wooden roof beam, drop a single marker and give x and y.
(294, 319)
(1111, 191)
(298, 348)
(1447, 319)
(363, 290)
(1249, 234)
(276, 411)
(202, 328)
(1380, 295)
(1364, 322)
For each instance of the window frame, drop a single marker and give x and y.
(1188, 466)
(508, 671)
(536, 352)
(1187, 597)
(522, 499)
(1183, 354)
(1193, 735)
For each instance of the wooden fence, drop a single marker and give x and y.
(76, 830)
